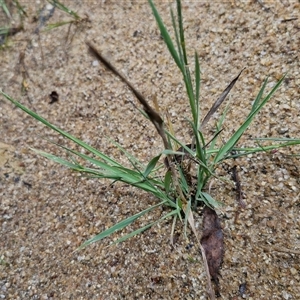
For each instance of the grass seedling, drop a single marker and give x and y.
(189, 167)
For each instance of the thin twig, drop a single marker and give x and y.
(281, 249)
(288, 20)
(238, 187)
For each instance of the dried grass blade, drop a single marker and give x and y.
(191, 221)
(153, 115)
(219, 101)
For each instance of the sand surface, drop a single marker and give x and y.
(46, 211)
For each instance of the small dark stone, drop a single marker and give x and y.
(53, 97)
(242, 289)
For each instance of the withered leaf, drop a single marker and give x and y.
(213, 243)
(219, 101)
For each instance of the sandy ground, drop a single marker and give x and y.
(47, 211)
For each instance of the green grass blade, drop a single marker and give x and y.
(167, 181)
(56, 25)
(259, 95)
(20, 8)
(246, 151)
(109, 173)
(151, 165)
(183, 183)
(103, 166)
(212, 202)
(5, 9)
(172, 152)
(202, 150)
(182, 65)
(187, 149)
(140, 230)
(237, 135)
(59, 160)
(166, 36)
(4, 30)
(201, 180)
(212, 143)
(133, 160)
(197, 87)
(116, 173)
(279, 139)
(60, 131)
(177, 37)
(190, 92)
(199, 140)
(63, 8)
(118, 226)
(222, 119)
(193, 154)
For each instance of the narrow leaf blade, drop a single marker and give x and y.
(117, 226)
(166, 36)
(151, 165)
(237, 135)
(220, 100)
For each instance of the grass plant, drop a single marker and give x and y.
(179, 189)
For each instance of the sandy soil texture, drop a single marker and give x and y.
(46, 211)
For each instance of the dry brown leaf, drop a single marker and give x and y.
(219, 101)
(190, 218)
(213, 243)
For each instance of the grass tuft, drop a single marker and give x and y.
(190, 167)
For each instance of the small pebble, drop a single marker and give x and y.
(293, 271)
(95, 63)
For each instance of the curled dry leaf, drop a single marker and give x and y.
(213, 243)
